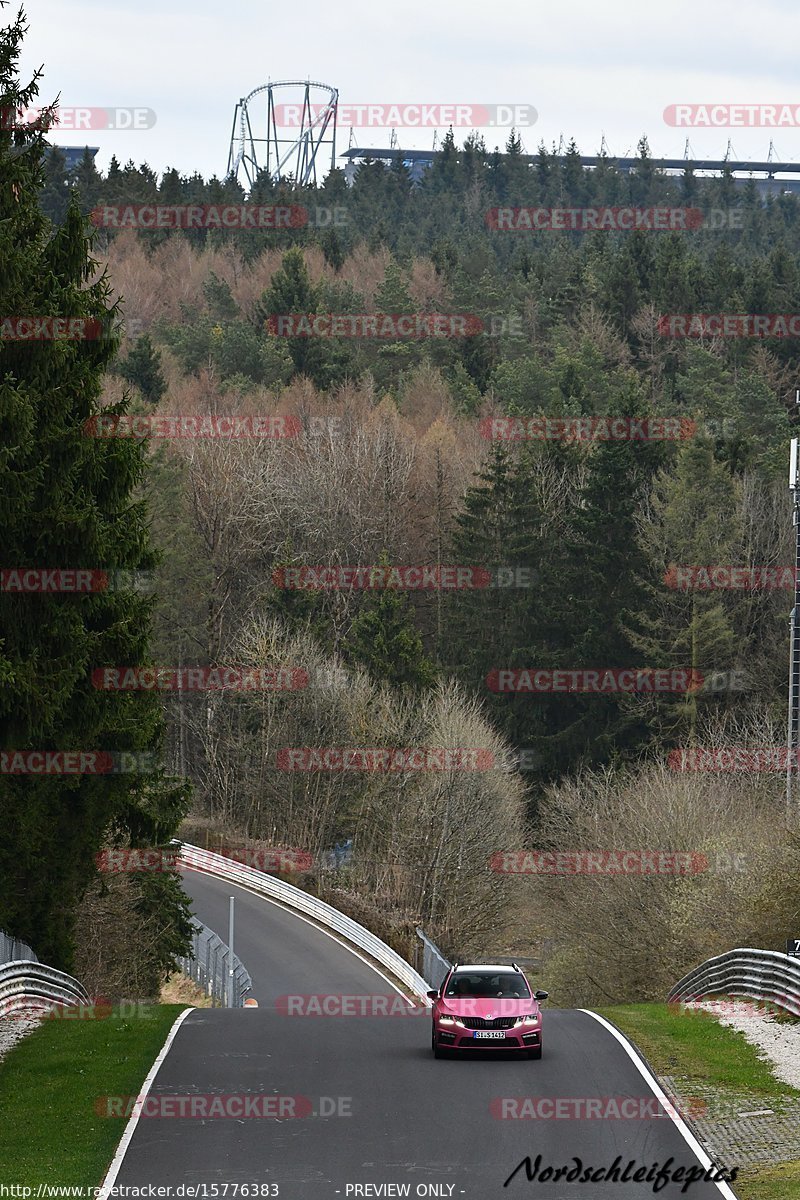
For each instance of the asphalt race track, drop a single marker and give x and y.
(381, 1110)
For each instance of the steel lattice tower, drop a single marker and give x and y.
(297, 156)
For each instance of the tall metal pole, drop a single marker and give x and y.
(792, 739)
(230, 951)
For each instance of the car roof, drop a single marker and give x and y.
(497, 968)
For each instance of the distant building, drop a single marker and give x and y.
(763, 172)
(416, 162)
(74, 154)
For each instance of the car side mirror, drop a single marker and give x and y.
(541, 995)
(433, 995)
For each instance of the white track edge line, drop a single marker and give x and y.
(314, 925)
(133, 1120)
(678, 1121)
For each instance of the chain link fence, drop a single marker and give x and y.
(434, 964)
(13, 950)
(208, 966)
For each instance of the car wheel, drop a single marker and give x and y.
(437, 1053)
(537, 1053)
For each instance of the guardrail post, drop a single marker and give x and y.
(230, 954)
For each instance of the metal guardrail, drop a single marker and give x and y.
(193, 858)
(761, 974)
(434, 964)
(31, 985)
(208, 966)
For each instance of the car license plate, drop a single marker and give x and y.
(489, 1033)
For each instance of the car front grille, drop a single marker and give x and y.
(482, 1023)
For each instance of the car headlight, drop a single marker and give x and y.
(446, 1021)
(529, 1020)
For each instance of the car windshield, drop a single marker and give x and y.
(506, 984)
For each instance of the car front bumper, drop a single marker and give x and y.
(464, 1039)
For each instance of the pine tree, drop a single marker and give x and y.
(574, 176)
(55, 192)
(393, 295)
(601, 591)
(332, 249)
(512, 623)
(219, 298)
(693, 522)
(142, 367)
(291, 292)
(87, 181)
(384, 638)
(67, 500)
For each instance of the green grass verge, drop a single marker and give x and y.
(696, 1046)
(49, 1083)
(769, 1183)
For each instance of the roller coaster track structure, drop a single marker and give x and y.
(313, 125)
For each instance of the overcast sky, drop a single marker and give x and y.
(589, 69)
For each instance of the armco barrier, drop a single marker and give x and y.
(193, 858)
(28, 984)
(761, 974)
